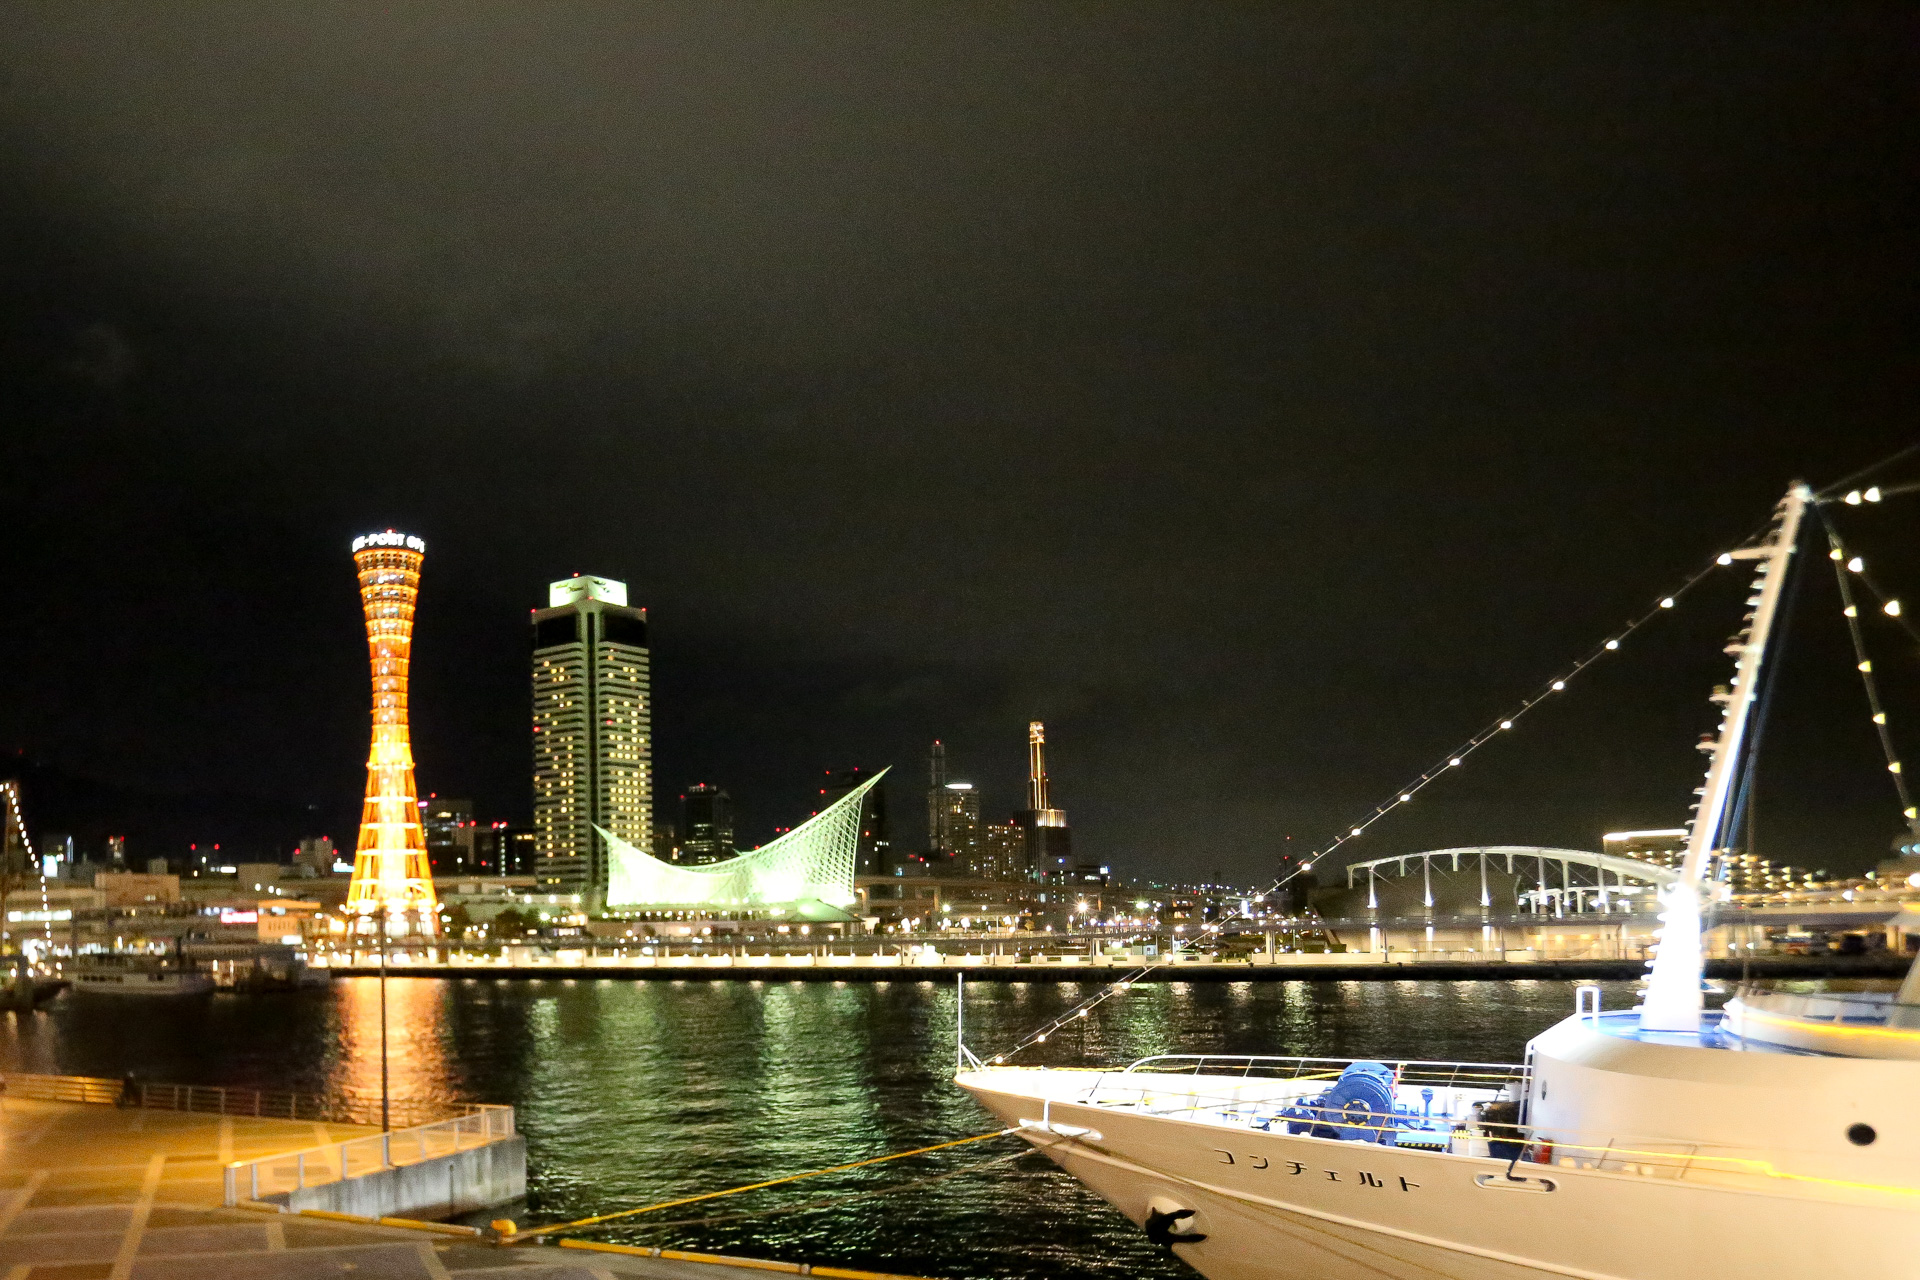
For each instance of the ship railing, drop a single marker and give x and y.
(1867, 1008)
(1416, 1071)
(1261, 1103)
(294, 1171)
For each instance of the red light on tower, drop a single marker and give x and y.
(390, 871)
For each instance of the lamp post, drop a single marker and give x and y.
(386, 916)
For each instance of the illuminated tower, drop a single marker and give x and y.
(1049, 840)
(390, 871)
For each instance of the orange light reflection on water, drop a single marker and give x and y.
(418, 1066)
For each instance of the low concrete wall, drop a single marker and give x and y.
(442, 1187)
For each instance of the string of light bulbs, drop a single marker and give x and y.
(1404, 795)
(1845, 569)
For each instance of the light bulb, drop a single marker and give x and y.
(1891, 608)
(1454, 763)
(1857, 565)
(1406, 799)
(1873, 494)
(1851, 612)
(1667, 603)
(1506, 724)
(1853, 498)
(1834, 554)
(1613, 644)
(1558, 685)
(1723, 558)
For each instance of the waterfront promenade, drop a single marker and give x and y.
(91, 1191)
(827, 966)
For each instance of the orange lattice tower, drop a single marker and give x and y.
(390, 871)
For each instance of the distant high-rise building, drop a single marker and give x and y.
(959, 829)
(706, 825)
(1049, 852)
(875, 854)
(592, 733)
(1001, 852)
(449, 830)
(317, 854)
(117, 852)
(503, 850)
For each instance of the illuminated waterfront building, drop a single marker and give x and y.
(1740, 872)
(592, 734)
(390, 871)
(808, 872)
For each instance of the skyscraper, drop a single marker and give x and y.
(449, 830)
(706, 825)
(390, 873)
(592, 733)
(1049, 839)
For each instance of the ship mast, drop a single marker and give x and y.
(1672, 1000)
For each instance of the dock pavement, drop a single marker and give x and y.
(92, 1192)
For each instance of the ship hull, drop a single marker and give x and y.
(1275, 1206)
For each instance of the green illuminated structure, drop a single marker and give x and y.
(810, 866)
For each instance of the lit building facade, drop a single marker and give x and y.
(592, 734)
(449, 831)
(706, 825)
(391, 878)
(807, 870)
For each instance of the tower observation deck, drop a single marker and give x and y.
(391, 877)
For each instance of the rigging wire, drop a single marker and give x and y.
(1844, 570)
(1402, 796)
(1868, 470)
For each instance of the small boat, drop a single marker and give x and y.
(123, 977)
(1779, 1136)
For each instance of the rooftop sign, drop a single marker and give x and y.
(390, 539)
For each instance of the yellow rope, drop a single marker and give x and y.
(518, 1236)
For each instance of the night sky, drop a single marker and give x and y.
(1264, 396)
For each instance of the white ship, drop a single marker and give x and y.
(1778, 1137)
(124, 978)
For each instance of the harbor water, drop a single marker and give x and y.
(632, 1092)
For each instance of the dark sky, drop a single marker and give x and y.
(1265, 396)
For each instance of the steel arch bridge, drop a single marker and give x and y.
(1558, 882)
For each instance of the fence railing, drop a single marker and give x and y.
(357, 1157)
(265, 1104)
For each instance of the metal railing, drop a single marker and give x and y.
(1478, 1075)
(219, 1100)
(357, 1157)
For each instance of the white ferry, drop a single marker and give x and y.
(1777, 1137)
(124, 979)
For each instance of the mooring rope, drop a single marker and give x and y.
(535, 1233)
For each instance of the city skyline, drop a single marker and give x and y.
(1262, 414)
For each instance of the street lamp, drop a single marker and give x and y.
(386, 917)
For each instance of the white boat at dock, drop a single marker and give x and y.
(1779, 1136)
(125, 978)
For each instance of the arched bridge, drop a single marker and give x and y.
(1501, 879)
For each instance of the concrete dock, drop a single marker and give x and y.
(93, 1192)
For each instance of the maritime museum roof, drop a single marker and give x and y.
(810, 865)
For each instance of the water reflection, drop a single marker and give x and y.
(632, 1092)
